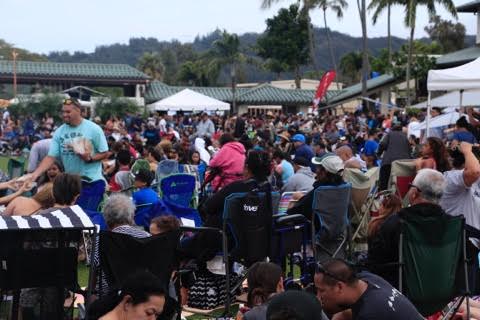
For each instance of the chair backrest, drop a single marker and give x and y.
(431, 251)
(146, 212)
(188, 216)
(178, 188)
(121, 255)
(247, 220)
(362, 185)
(330, 210)
(124, 179)
(402, 174)
(166, 168)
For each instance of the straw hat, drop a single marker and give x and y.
(285, 135)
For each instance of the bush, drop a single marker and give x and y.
(120, 107)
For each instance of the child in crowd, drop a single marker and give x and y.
(164, 224)
(145, 194)
(123, 162)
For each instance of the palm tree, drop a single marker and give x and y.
(379, 6)
(363, 18)
(337, 6)
(151, 64)
(410, 17)
(227, 52)
(351, 65)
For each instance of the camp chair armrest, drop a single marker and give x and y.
(198, 229)
(472, 232)
(294, 219)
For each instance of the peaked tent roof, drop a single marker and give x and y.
(72, 70)
(452, 99)
(464, 77)
(188, 100)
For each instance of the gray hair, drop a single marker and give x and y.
(430, 183)
(119, 210)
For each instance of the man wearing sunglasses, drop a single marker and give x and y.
(81, 146)
(348, 295)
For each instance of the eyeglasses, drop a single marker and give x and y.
(321, 269)
(411, 185)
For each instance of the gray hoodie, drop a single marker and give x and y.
(302, 180)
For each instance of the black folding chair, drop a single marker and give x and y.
(41, 252)
(246, 233)
(121, 255)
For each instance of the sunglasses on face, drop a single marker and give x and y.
(68, 102)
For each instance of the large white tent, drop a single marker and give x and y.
(463, 78)
(452, 99)
(189, 100)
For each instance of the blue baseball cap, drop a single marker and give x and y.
(298, 137)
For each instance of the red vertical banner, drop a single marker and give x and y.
(325, 82)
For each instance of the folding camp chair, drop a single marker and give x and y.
(402, 174)
(330, 221)
(246, 232)
(178, 189)
(432, 261)
(121, 255)
(363, 193)
(41, 252)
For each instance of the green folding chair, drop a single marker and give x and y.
(433, 266)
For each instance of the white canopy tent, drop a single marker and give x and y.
(463, 78)
(439, 121)
(189, 100)
(452, 99)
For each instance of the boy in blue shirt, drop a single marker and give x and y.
(145, 194)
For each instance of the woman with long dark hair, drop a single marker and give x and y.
(434, 156)
(141, 297)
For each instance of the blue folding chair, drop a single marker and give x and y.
(330, 221)
(178, 189)
(188, 216)
(146, 212)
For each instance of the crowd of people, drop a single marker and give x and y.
(83, 161)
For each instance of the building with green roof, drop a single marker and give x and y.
(468, 54)
(60, 76)
(292, 100)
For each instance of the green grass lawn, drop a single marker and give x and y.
(82, 273)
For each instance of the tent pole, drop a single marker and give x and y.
(429, 109)
(461, 102)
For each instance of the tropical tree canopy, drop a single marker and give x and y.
(450, 36)
(120, 107)
(286, 39)
(151, 64)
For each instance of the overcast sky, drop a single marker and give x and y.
(48, 25)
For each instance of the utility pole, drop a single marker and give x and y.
(14, 55)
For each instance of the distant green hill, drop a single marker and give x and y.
(130, 52)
